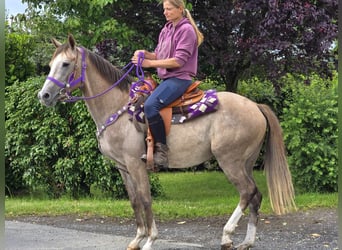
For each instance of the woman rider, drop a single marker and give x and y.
(175, 58)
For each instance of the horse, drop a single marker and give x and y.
(235, 135)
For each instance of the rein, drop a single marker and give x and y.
(72, 83)
(135, 87)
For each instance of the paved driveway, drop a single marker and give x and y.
(304, 230)
(21, 235)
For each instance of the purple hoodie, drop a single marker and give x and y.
(179, 42)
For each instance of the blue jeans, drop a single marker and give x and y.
(167, 92)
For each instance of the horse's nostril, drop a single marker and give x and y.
(46, 96)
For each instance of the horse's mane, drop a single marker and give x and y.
(104, 67)
(110, 72)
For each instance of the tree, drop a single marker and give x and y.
(268, 38)
(94, 21)
(243, 38)
(27, 52)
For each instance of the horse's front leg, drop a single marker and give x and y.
(138, 189)
(152, 236)
(137, 209)
(146, 199)
(150, 228)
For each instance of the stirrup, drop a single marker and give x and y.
(143, 157)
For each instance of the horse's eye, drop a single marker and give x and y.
(65, 64)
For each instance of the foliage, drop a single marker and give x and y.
(260, 91)
(266, 38)
(243, 38)
(211, 84)
(310, 133)
(33, 55)
(54, 149)
(114, 20)
(19, 62)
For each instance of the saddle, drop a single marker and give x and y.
(194, 102)
(179, 107)
(192, 95)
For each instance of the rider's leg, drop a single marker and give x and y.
(168, 91)
(157, 129)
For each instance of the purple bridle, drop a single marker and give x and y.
(135, 87)
(72, 83)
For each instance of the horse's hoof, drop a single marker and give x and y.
(129, 248)
(242, 247)
(227, 247)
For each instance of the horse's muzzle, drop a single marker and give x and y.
(47, 99)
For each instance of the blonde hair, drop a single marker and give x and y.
(187, 14)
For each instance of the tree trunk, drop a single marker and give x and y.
(231, 81)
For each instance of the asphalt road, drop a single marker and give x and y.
(304, 230)
(22, 235)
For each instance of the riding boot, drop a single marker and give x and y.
(157, 128)
(160, 155)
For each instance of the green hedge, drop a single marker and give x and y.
(261, 92)
(54, 149)
(19, 48)
(307, 109)
(309, 122)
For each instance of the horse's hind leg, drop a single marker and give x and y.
(249, 195)
(254, 206)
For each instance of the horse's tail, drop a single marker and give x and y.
(279, 181)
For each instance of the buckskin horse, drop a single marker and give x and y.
(234, 135)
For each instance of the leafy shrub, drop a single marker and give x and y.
(260, 92)
(211, 84)
(309, 122)
(19, 48)
(54, 149)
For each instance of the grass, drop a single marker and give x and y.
(187, 195)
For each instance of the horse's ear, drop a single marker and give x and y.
(55, 42)
(72, 41)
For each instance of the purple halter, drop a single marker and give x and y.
(134, 87)
(72, 82)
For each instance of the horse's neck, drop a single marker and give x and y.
(103, 106)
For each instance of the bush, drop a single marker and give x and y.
(260, 92)
(211, 84)
(54, 149)
(309, 122)
(19, 48)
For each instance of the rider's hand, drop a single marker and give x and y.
(139, 51)
(136, 56)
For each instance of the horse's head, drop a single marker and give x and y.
(63, 66)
